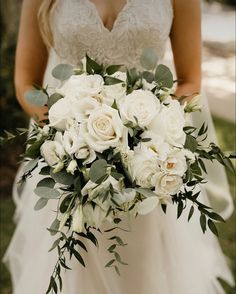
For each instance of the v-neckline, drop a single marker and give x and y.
(116, 21)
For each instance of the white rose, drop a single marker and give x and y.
(142, 105)
(147, 205)
(60, 114)
(167, 184)
(114, 92)
(143, 166)
(169, 124)
(52, 152)
(78, 219)
(175, 163)
(103, 129)
(79, 86)
(156, 145)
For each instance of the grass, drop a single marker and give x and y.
(225, 131)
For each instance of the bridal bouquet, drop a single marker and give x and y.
(115, 144)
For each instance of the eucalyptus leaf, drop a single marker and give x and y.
(62, 72)
(98, 170)
(31, 165)
(149, 59)
(36, 97)
(41, 203)
(53, 99)
(163, 76)
(47, 193)
(33, 151)
(46, 182)
(62, 177)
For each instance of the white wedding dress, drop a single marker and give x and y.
(165, 255)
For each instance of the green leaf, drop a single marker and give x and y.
(32, 164)
(98, 170)
(92, 66)
(203, 222)
(53, 99)
(149, 58)
(41, 203)
(117, 270)
(62, 72)
(118, 258)
(110, 263)
(47, 193)
(62, 177)
(163, 76)
(190, 143)
(47, 182)
(33, 151)
(112, 247)
(54, 227)
(45, 171)
(36, 97)
(65, 203)
(216, 216)
(212, 227)
(148, 76)
(180, 209)
(191, 211)
(55, 244)
(113, 68)
(112, 81)
(78, 256)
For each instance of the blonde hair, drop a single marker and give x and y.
(44, 13)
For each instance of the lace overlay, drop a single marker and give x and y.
(78, 28)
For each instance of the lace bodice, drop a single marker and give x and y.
(78, 28)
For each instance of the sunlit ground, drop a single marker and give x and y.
(227, 231)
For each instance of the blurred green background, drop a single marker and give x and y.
(12, 116)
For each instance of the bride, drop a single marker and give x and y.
(165, 255)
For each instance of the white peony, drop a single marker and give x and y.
(103, 129)
(142, 167)
(53, 153)
(142, 105)
(166, 184)
(79, 86)
(169, 123)
(60, 114)
(175, 163)
(156, 145)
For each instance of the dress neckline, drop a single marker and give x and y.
(117, 19)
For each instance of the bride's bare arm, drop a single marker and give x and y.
(186, 45)
(31, 56)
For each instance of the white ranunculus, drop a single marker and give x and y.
(78, 219)
(94, 216)
(169, 124)
(103, 129)
(175, 163)
(71, 168)
(167, 184)
(156, 145)
(143, 166)
(142, 105)
(79, 86)
(60, 114)
(53, 153)
(147, 205)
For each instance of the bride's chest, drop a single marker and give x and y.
(77, 25)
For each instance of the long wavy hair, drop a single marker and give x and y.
(45, 10)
